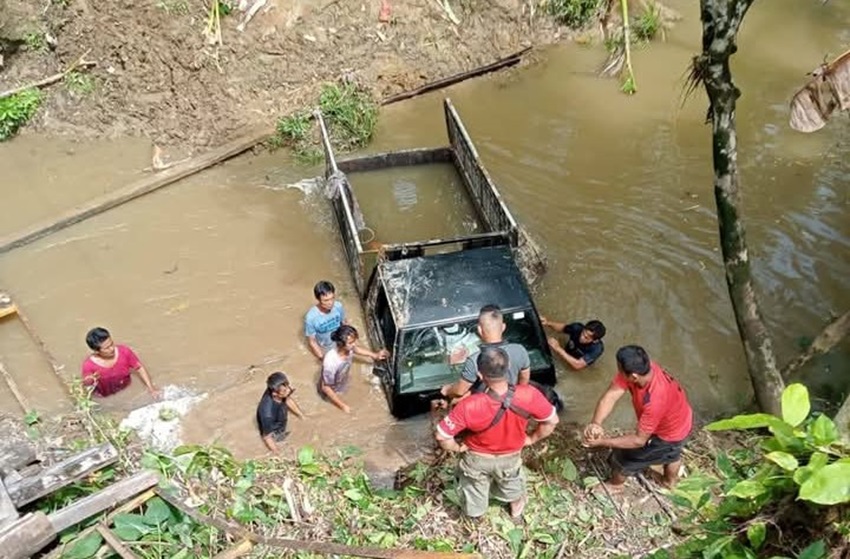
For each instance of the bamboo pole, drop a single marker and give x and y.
(13, 386)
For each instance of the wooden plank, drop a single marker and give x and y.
(16, 456)
(8, 511)
(61, 474)
(47, 354)
(26, 537)
(129, 506)
(104, 499)
(115, 543)
(135, 190)
(16, 390)
(242, 548)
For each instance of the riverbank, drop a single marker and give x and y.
(159, 73)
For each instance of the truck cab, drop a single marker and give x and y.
(421, 299)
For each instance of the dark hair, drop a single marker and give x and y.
(493, 363)
(96, 337)
(633, 359)
(490, 311)
(276, 380)
(596, 328)
(323, 288)
(343, 333)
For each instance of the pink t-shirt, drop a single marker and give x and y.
(109, 380)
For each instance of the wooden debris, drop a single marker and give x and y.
(505, 62)
(13, 386)
(115, 543)
(14, 456)
(242, 548)
(44, 82)
(59, 475)
(135, 190)
(290, 500)
(27, 536)
(8, 511)
(828, 90)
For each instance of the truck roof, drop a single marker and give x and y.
(453, 286)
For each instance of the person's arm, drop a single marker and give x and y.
(451, 425)
(334, 398)
(315, 349)
(546, 416)
(374, 355)
(294, 408)
(543, 430)
(146, 379)
(575, 364)
(635, 440)
(269, 442)
(551, 324)
(457, 389)
(603, 410)
(524, 376)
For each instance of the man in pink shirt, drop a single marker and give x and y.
(109, 366)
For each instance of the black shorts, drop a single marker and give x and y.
(655, 451)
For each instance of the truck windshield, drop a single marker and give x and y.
(432, 356)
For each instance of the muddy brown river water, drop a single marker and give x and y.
(209, 279)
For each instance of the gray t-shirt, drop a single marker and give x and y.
(336, 370)
(517, 361)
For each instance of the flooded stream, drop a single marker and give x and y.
(209, 279)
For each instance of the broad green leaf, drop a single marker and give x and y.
(816, 550)
(829, 485)
(306, 456)
(568, 470)
(747, 489)
(132, 524)
(801, 475)
(749, 421)
(353, 495)
(795, 404)
(85, 547)
(818, 460)
(756, 533)
(786, 437)
(717, 546)
(783, 460)
(724, 464)
(823, 431)
(157, 511)
(543, 537)
(311, 469)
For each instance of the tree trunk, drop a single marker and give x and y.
(721, 20)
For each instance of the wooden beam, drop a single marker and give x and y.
(16, 390)
(115, 543)
(8, 511)
(26, 537)
(135, 190)
(61, 474)
(16, 455)
(129, 506)
(104, 499)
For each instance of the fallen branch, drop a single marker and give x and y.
(135, 190)
(834, 332)
(326, 548)
(505, 62)
(50, 80)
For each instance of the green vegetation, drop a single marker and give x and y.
(647, 26)
(35, 41)
(575, 13)
(349, 113)
(79, 83)
(174, 7)
(16, 110)
(783, 492)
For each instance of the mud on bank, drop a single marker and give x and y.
(157, 74)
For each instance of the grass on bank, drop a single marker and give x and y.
(16, 110)
(575, 14)
(350, 114)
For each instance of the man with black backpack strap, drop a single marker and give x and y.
(493, 424)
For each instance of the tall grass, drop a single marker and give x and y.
(575, 13)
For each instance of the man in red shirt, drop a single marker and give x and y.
(495, 424)
(664, 419)
(109, 366)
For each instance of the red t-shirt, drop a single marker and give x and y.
(476, 412)
(109, 380)
(661, 407)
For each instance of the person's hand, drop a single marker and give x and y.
(462, 448)
(593, 431)
(528, 441)
(553, 342)
(381, 354)
(458, 355)
(155, 393)
(544, 321)
(346, 408)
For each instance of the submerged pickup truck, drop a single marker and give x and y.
(421, 299)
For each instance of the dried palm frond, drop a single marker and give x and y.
(829, 89)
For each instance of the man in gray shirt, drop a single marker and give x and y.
(491, 328)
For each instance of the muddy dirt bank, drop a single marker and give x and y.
(158, 75)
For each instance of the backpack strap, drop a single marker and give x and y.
(506, 403)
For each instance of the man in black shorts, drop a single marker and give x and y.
(273, 410)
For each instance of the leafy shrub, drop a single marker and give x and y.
(16, 110)
(350, 112)
(647, 25)
(574, 13)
